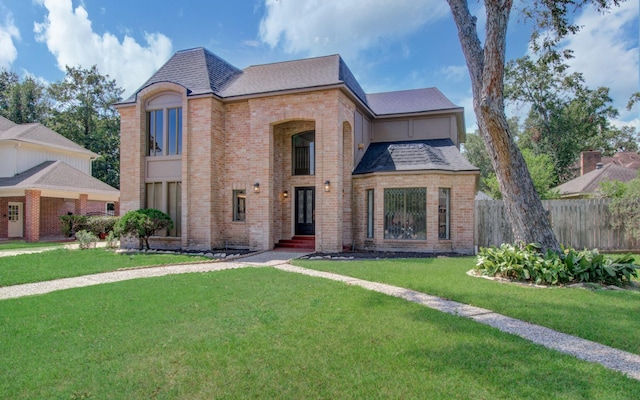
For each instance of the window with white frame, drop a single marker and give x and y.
(405, 213)
(370, 211)
(444, 201)
(110, 208)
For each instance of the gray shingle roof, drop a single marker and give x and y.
(40, 134)
(202, 72)
(416, 155)
(409, 101)
(5, 124)
(590, 182)
(198, 70)
(296, 74)
(56, 175)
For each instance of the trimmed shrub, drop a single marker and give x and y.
(86, 239)
(528, 263)
(101, 224)
(143, 224)
(70, 224)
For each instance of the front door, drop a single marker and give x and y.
(15, 220)
(305, 211)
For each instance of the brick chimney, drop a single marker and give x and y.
(589, 160)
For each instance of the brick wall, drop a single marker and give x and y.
(50, 211)
(462, 187)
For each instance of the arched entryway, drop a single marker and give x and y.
(294, 179)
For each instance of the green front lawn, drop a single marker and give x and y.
(604, 316)
(264, 333)
(63, 263)
(21, 244)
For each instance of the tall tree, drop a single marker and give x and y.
(486, 65)
(82, 112)
(22, 100)
(7, 80)
(565, 116)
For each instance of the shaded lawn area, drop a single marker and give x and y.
(63, 263)
(264, 333)
(604, 316)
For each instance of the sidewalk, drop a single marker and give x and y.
(618, 360)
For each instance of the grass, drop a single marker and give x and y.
(605, 316)
(21, 244)
(264, 333)
(63, 263)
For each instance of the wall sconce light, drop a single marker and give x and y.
(285, 194)
(360, 146)
(256, 187)
(327, 186)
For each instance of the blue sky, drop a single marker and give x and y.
(388, 44)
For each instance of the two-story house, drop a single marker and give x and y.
(295, 150)
(44, 175)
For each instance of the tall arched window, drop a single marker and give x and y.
(164, 125)
(303, 155)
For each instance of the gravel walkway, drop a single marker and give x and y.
(618, 360)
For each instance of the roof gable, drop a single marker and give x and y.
(41, 135)
(198, 70)
(56, 175)
(590, 182)
(5, 124)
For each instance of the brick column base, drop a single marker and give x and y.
(32, 215)
(81, 204)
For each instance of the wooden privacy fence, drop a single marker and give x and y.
(582, 223)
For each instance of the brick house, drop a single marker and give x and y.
(44, 175)
(255, 157)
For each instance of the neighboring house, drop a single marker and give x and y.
(482, 196)
(255, 157)
(594, 170)
(44, 175)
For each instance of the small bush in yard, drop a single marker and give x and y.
(69, 224)
(86, 239)
(143, 224)
(528, 263)
(101, 224)
(112, 240)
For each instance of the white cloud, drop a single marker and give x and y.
(70, 37)
(8, 32)
(455, 73)
(319, 27)
(606, 51)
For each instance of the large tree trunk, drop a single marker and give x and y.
(528, 217)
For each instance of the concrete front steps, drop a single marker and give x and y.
(298, 242)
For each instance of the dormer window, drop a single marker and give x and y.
(164, 126)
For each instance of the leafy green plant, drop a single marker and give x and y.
(69, 224)
(528, 263)
(143, 224)
(86, 239)
(112, 240)
(101, 224)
